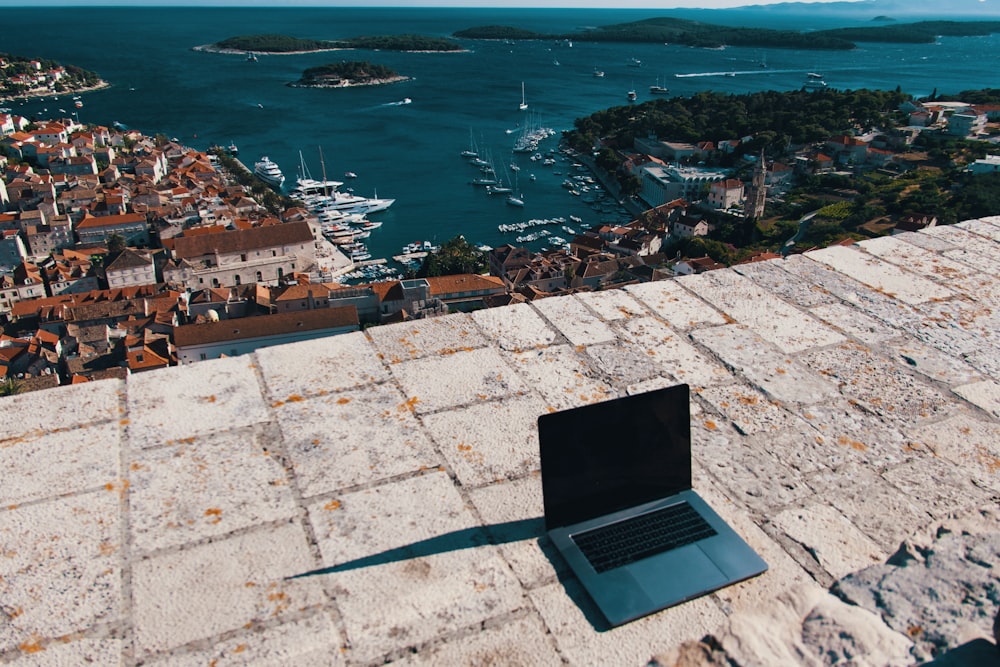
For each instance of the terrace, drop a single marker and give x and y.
(375, 496)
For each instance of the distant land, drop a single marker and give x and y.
(346, 74)
(707, 35)
(284, 44)
(883, 9)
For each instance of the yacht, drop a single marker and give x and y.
(814, 81)
(631, 96)
(306, 186)
(349, 203)
(658, 89)
(268, 172)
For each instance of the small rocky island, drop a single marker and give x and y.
(346, 74)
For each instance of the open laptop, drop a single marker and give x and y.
(616, 476)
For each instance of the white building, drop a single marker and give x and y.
(665, 184)
(989, 165)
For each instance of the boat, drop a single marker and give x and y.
(631, 96)
(523, 105)
(268, 172)
(350, 174)
(306, 186)
(232, 149)
(471, 151)
(598, 73)
(516, 201)
(251, 57)
(658, 89)
(78, 104)
(814, 81)
(634, 62)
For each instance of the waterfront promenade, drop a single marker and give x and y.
(375, 497)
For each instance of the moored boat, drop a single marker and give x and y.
(269, 172)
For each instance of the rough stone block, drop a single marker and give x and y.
(677, 306)
(574, 321)
(515, 328)
(428, 337)
(522, 641)
(968, 442)
(773, 277)
(908, 287)
(612, 305)
(65, 408)
(855, 323)
(560, 374)
(671, 354)
(836, 544)
(984, 394)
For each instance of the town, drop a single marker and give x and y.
(123, 252)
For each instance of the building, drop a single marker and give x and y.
(230, 338)
(966, 123)
(130, 268)
(229, 258)
(988, 165)
(664, 184)
(132, 227)
(726, 194)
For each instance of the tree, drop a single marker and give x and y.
(116, 244)
(455, 257)
(10, 386)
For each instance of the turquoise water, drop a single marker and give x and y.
(411, 152)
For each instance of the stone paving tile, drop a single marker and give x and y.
(969, 442)
(749, 410)
(523, 641)
(927, 241)
(353, 437)
(560, 376)
(854, 323)
(854, 489)
(625, 365)
(489, 442)
(572, 618)
(225, 585)
(574, 321)
(60, 567)
(778, 375)
(457, 379)
(887, 389)
(432, 336)
(515, 328)
(789, 328)
(67, 652)
(514, 515)
(932, 363)
(319, 366)
(611, 305)
(985, 227)
(836, 544)
(209, 486)
(932, 265)
(432, 587)
(984, 394)
(309, 642)
(938, 486)
(40, 465)
(672, 354)
(187, 401)
(960, 237)
(65, 408)
(908, 287)
(679, 307)
(954, 327)
(773, 277)
(985, 263)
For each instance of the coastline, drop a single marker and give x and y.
(101, 85)
(212, 48)
(351, 84)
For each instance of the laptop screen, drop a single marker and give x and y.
(609, 456)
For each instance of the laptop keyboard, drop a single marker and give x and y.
(629, 540)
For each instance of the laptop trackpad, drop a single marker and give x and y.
(678, 575)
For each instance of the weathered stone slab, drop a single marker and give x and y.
(960, 237)
(679, 307)
(932, 363)
(927, 241)
(70, 651)
(432, 336)
(776, 374)
(461, 378)
(985, 227)
(625, 365)
(319, 366)
(515, 328)
(489, 442)
(187, 401)
(572, 618)
(428, 584)
(772, 277)
(353, 437)
(932, 265)
(855, 323)
(612, 305)
(969, 442)
(937, 486)
(60, 567)
(65, 408)
(750, 411)
(836, 544)
(788, 328)
(574, 321)
(209, 486)
(984, 394)
(308, 642)
(522, 641)
(562, 378)
(672, 354)
(38, 464)
(908, 287)
(213, 588)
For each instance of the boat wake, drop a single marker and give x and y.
(737, 73)
(405, 100)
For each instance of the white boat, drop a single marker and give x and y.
(634, 62)
(631, 96)
(471, 151)
(268, 172)
(598, 73)
(350, 174)
(344, 202)
(658, 89)
(516, 201)
(814, 81)
(306, 185)
(524, 104)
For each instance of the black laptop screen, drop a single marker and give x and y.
(604, 457)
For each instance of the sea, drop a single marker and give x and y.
(411, 151)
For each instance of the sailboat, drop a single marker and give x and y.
(524, 104)
(658, 89)
(519, 199)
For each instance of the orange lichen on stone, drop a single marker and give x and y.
(462, 447)
(136, 466)
(749, 400)
(581, 348)
(343, 400)
(710, 425)
(332, 505)
(213, 511)
(411, 403)
(210, 399)
(853, 444)
(32, 646)
(295, 398)
(249, 584)
(124, 422)
(240, 648)
(780, 371)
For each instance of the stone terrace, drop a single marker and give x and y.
(376, 497)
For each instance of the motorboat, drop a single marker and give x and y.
(269, 172)
(814, 81)
(631, 96)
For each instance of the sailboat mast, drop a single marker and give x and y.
(323, 167)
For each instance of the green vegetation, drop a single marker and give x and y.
(274, 202)
(401, 43)
(10, 386)
(353, 72)
(273, 44)
(499, 32)
(455, 256)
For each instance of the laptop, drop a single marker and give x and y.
(619, 507)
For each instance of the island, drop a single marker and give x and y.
(705, 35)
(284, 44)
(39, 77)
(346, 74)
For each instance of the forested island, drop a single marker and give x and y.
(32, 77)
(705, 35)
(283, 44)
(347, 73)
